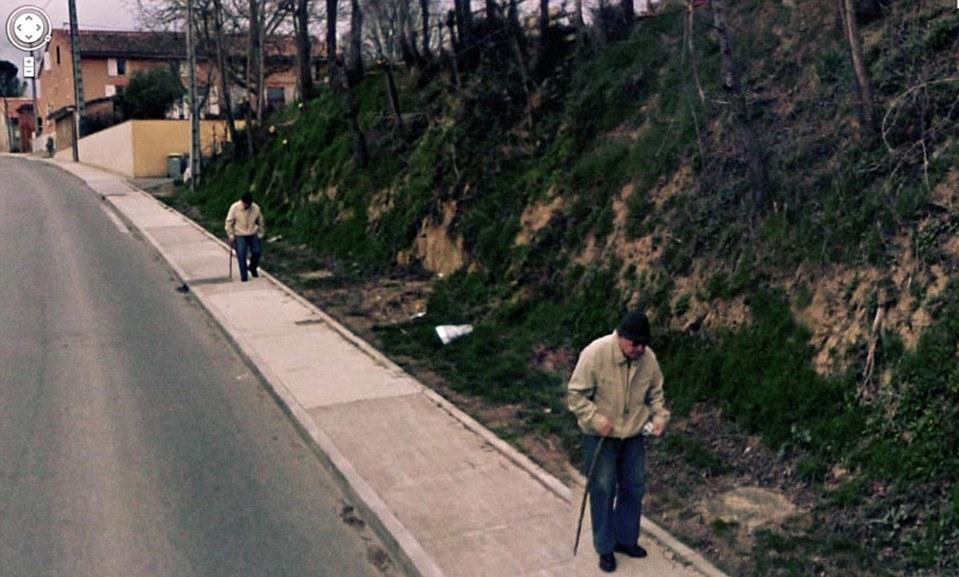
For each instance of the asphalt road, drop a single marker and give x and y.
(133, 439)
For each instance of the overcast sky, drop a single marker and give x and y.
(102, 14)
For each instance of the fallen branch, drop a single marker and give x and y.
(864, 389)
(897, 99)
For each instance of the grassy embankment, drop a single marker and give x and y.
(627, 114)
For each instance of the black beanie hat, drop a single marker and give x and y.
(247, 198)
(635, 327)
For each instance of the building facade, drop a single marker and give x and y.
(109, 59)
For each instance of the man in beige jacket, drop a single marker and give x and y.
(245, 228)
(616, 393)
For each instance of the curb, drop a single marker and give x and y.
(402, 544)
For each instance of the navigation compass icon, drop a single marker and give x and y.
(28, 28)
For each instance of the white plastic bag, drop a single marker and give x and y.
(449, 333)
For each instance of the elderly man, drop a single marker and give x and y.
(616, 390)
(245, 229)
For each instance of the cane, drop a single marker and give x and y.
(589, 481)
(231, 261)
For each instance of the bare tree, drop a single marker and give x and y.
(356, 39)
(225, 82)
(629, 12)
(340, 83)
(758, 176)
(690, 32)
(847, 10)
(579, 23)
(304, 50)
(393, 93)
(425, 18)
(464, 21)
(543, 22)
(492, 9)
(331, 6)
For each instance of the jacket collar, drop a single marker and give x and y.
(619, 359)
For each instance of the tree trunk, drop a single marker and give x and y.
(224, 72)
(250, 148)
(356, 39)
(579, 23)
(629, 12)
(253, 57)
(690, 34)
(342, 83)
(492, 9)
(513, 16)
(304, 51)
(543, 23)
(455, 45)
(758, 177)
(451, 24)
(331, 40)
(407, 47)
(730, 73)
(261, 70)
(393, 94)
(847, 9)
(466, 37)
(425, 17)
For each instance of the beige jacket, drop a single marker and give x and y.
(245, 222)
(627, 393)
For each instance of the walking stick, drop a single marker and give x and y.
(231, 261)
(589, 481)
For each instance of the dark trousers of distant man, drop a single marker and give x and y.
(248, 244)
(617, 489)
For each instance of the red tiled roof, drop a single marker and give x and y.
(131, 44)
(14, 104)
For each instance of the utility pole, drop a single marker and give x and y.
(37, 118)
(194, 111)
(77, 79)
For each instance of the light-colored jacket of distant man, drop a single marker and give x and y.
(242, 221)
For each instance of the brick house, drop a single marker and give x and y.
(109, 60)
(16, 124)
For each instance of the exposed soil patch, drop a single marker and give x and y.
(748, 508)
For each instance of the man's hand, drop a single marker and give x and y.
(605, 426)
(658, 429)
(230, 238)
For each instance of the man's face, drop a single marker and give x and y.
(630, 349)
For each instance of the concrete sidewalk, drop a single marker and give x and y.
(444, 493)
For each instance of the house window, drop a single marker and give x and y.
(58, 56)
(46, 59)
(110, 90)
(116, 66)
(275, 97)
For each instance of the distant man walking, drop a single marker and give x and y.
(616, 390)
(245, 229)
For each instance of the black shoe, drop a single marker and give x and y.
(254, 273)
(607, 562)
(634, 550)
(243, 280)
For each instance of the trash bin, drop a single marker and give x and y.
(174, 167)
